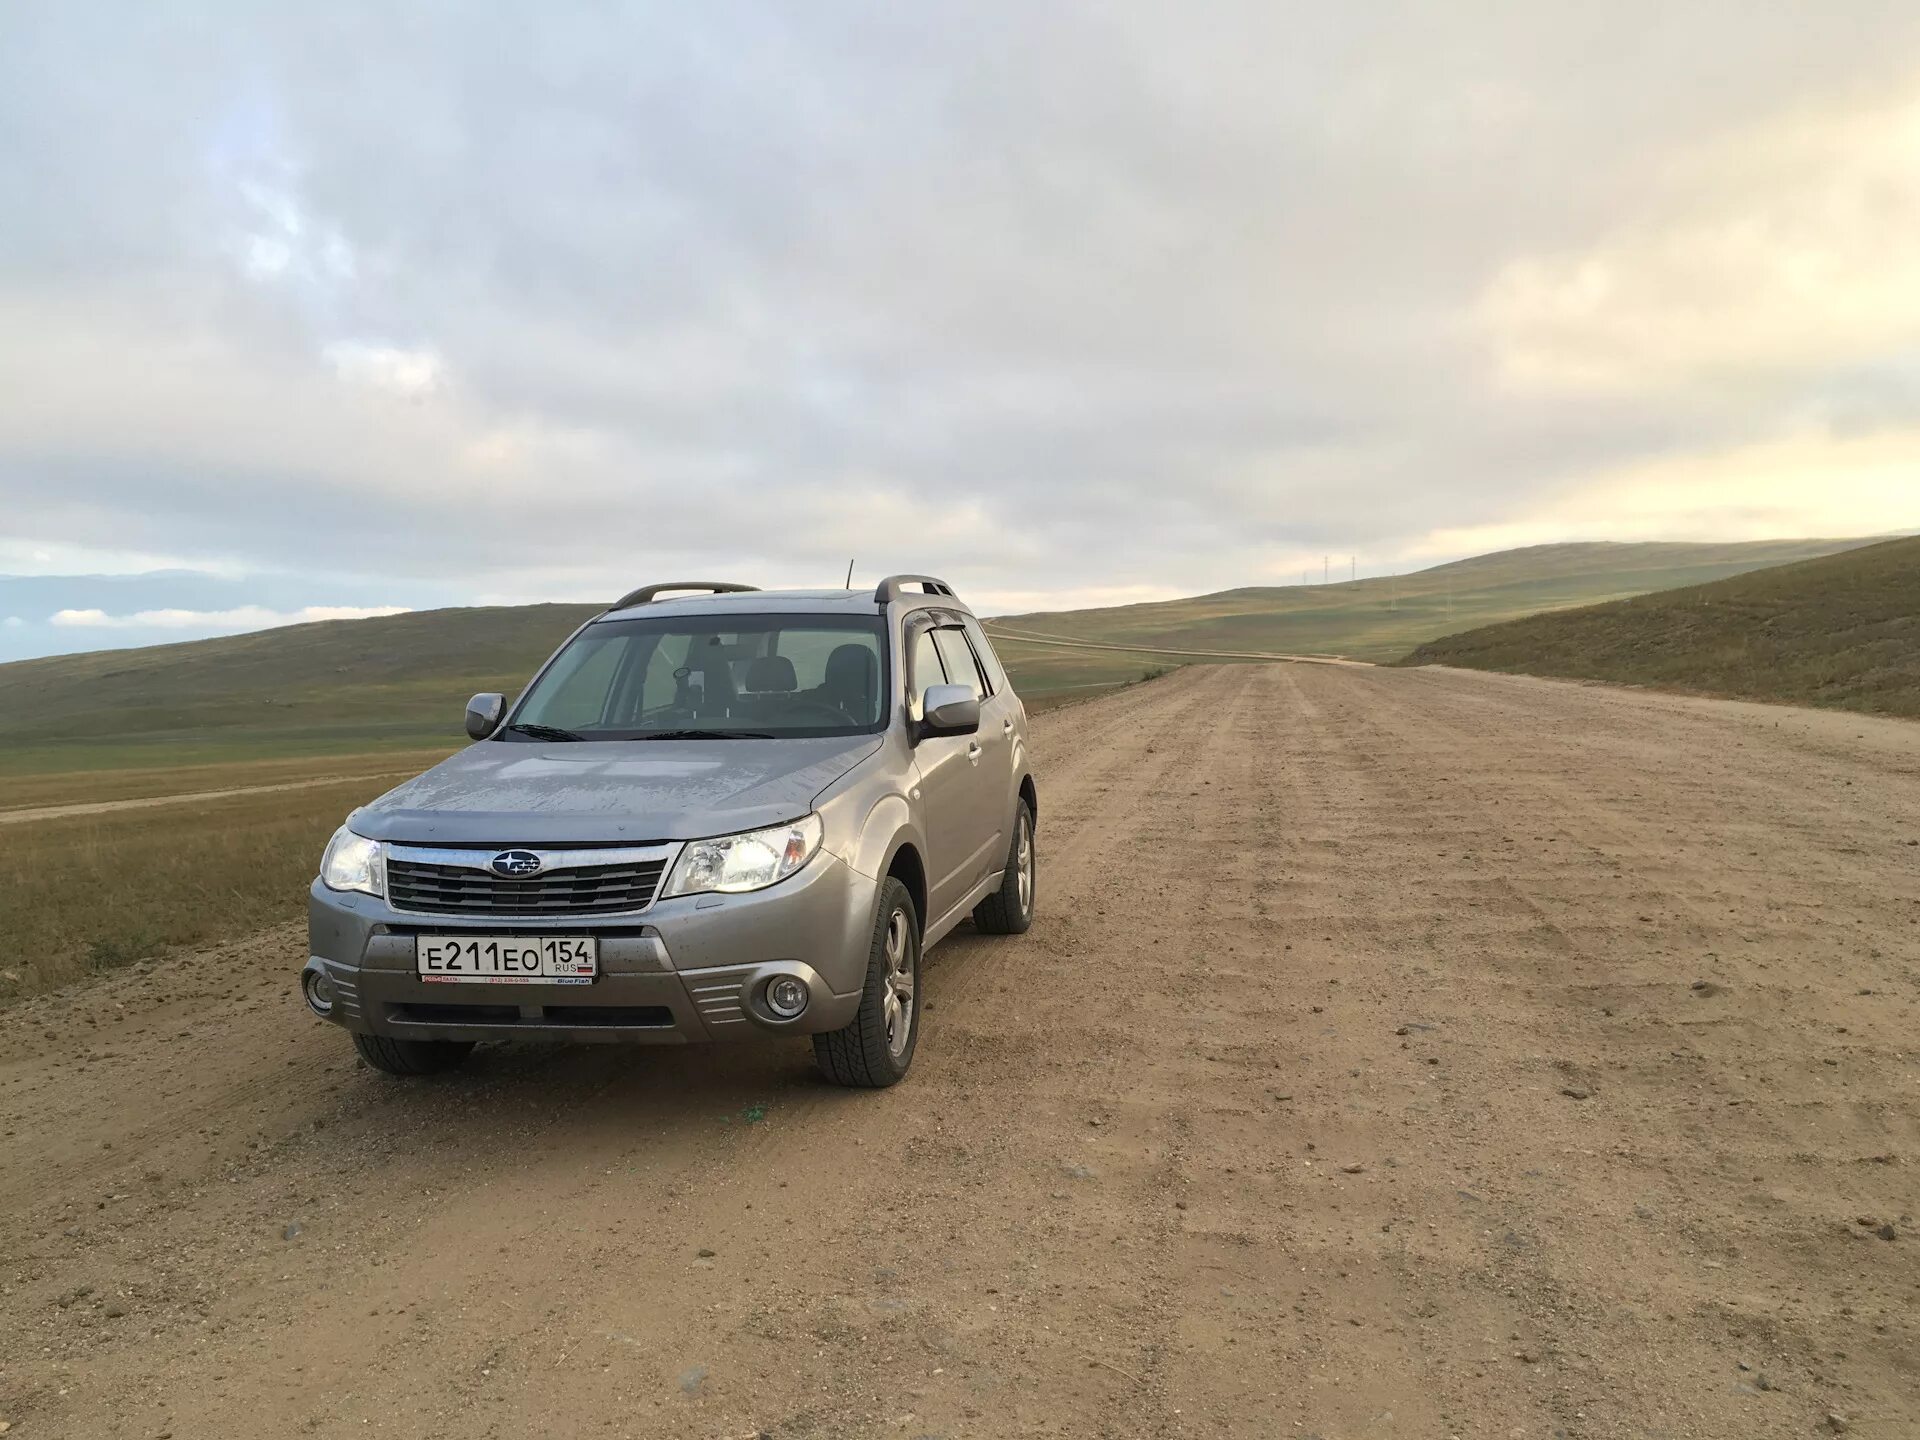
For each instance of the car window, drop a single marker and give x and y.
(574, 692)
(767, 674)
(666, 657)
(923, 669)
(989, 662)
(959, 661)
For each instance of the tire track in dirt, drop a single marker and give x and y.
(1660, 1021)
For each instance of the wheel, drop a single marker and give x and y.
(411, 1057)
(1009, 910)
(875, 1050)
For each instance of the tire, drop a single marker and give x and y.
(1009, 910)
(871, 1052)
(411, 1057)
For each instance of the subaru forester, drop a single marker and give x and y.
(715, 813)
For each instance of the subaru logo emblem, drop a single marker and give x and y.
(516, 864)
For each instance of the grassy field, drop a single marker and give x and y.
(1843, 631)
(339, 687)
(105, 785)
(93, 892)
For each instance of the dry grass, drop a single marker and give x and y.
(91, 893)
(1376, 619)
(88, 787)
(1843, 631)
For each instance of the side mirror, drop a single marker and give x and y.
(949, 710)
(483, 714)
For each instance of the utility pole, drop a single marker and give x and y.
(1353, 567)
(1325, 562)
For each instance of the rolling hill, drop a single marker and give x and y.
(394, 682)
(1376, 619)
(399, 681)
(1841, 631)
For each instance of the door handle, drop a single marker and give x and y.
(973, 752)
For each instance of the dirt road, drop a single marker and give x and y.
(1400, 1054)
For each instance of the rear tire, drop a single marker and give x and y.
(411, 1057)
(875, 1050)
(1009, 910)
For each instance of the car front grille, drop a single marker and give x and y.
(456, 885)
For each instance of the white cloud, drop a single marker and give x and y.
(264, 257)
(1804, 483)
(278, 241)
(23, 557)
(13, 622)
(246, 617)
(1129, 308)
(410, 374)
(1785, 245)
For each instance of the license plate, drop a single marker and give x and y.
(506, 959)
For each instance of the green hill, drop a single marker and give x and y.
(398, 682)
(394, 682)
(1376, 619)
(1842, 631)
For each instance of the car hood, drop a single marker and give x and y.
(505, 793)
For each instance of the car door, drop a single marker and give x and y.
(991, 754)
(1004, 710)
(1003, 715)
(947, 766)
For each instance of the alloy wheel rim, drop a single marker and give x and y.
(1023, 860)
(896, 1005)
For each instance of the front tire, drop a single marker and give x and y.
(411, 1057)
(875, 1050)
(1009, 910)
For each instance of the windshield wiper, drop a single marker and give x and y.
(545, 732)
(704, 735)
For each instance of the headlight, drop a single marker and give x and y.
(753, 861)
(353, 862)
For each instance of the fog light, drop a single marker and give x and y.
(319, 991)
(786, 996)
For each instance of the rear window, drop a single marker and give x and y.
(990, 662)
(959, 662)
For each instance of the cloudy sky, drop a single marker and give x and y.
(324, 309)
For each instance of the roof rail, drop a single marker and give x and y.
(646, 593)
(891, 588)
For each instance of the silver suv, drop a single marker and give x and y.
(730, 814)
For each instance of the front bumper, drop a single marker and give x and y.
(683, 970)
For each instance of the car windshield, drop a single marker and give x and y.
(718, 675)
